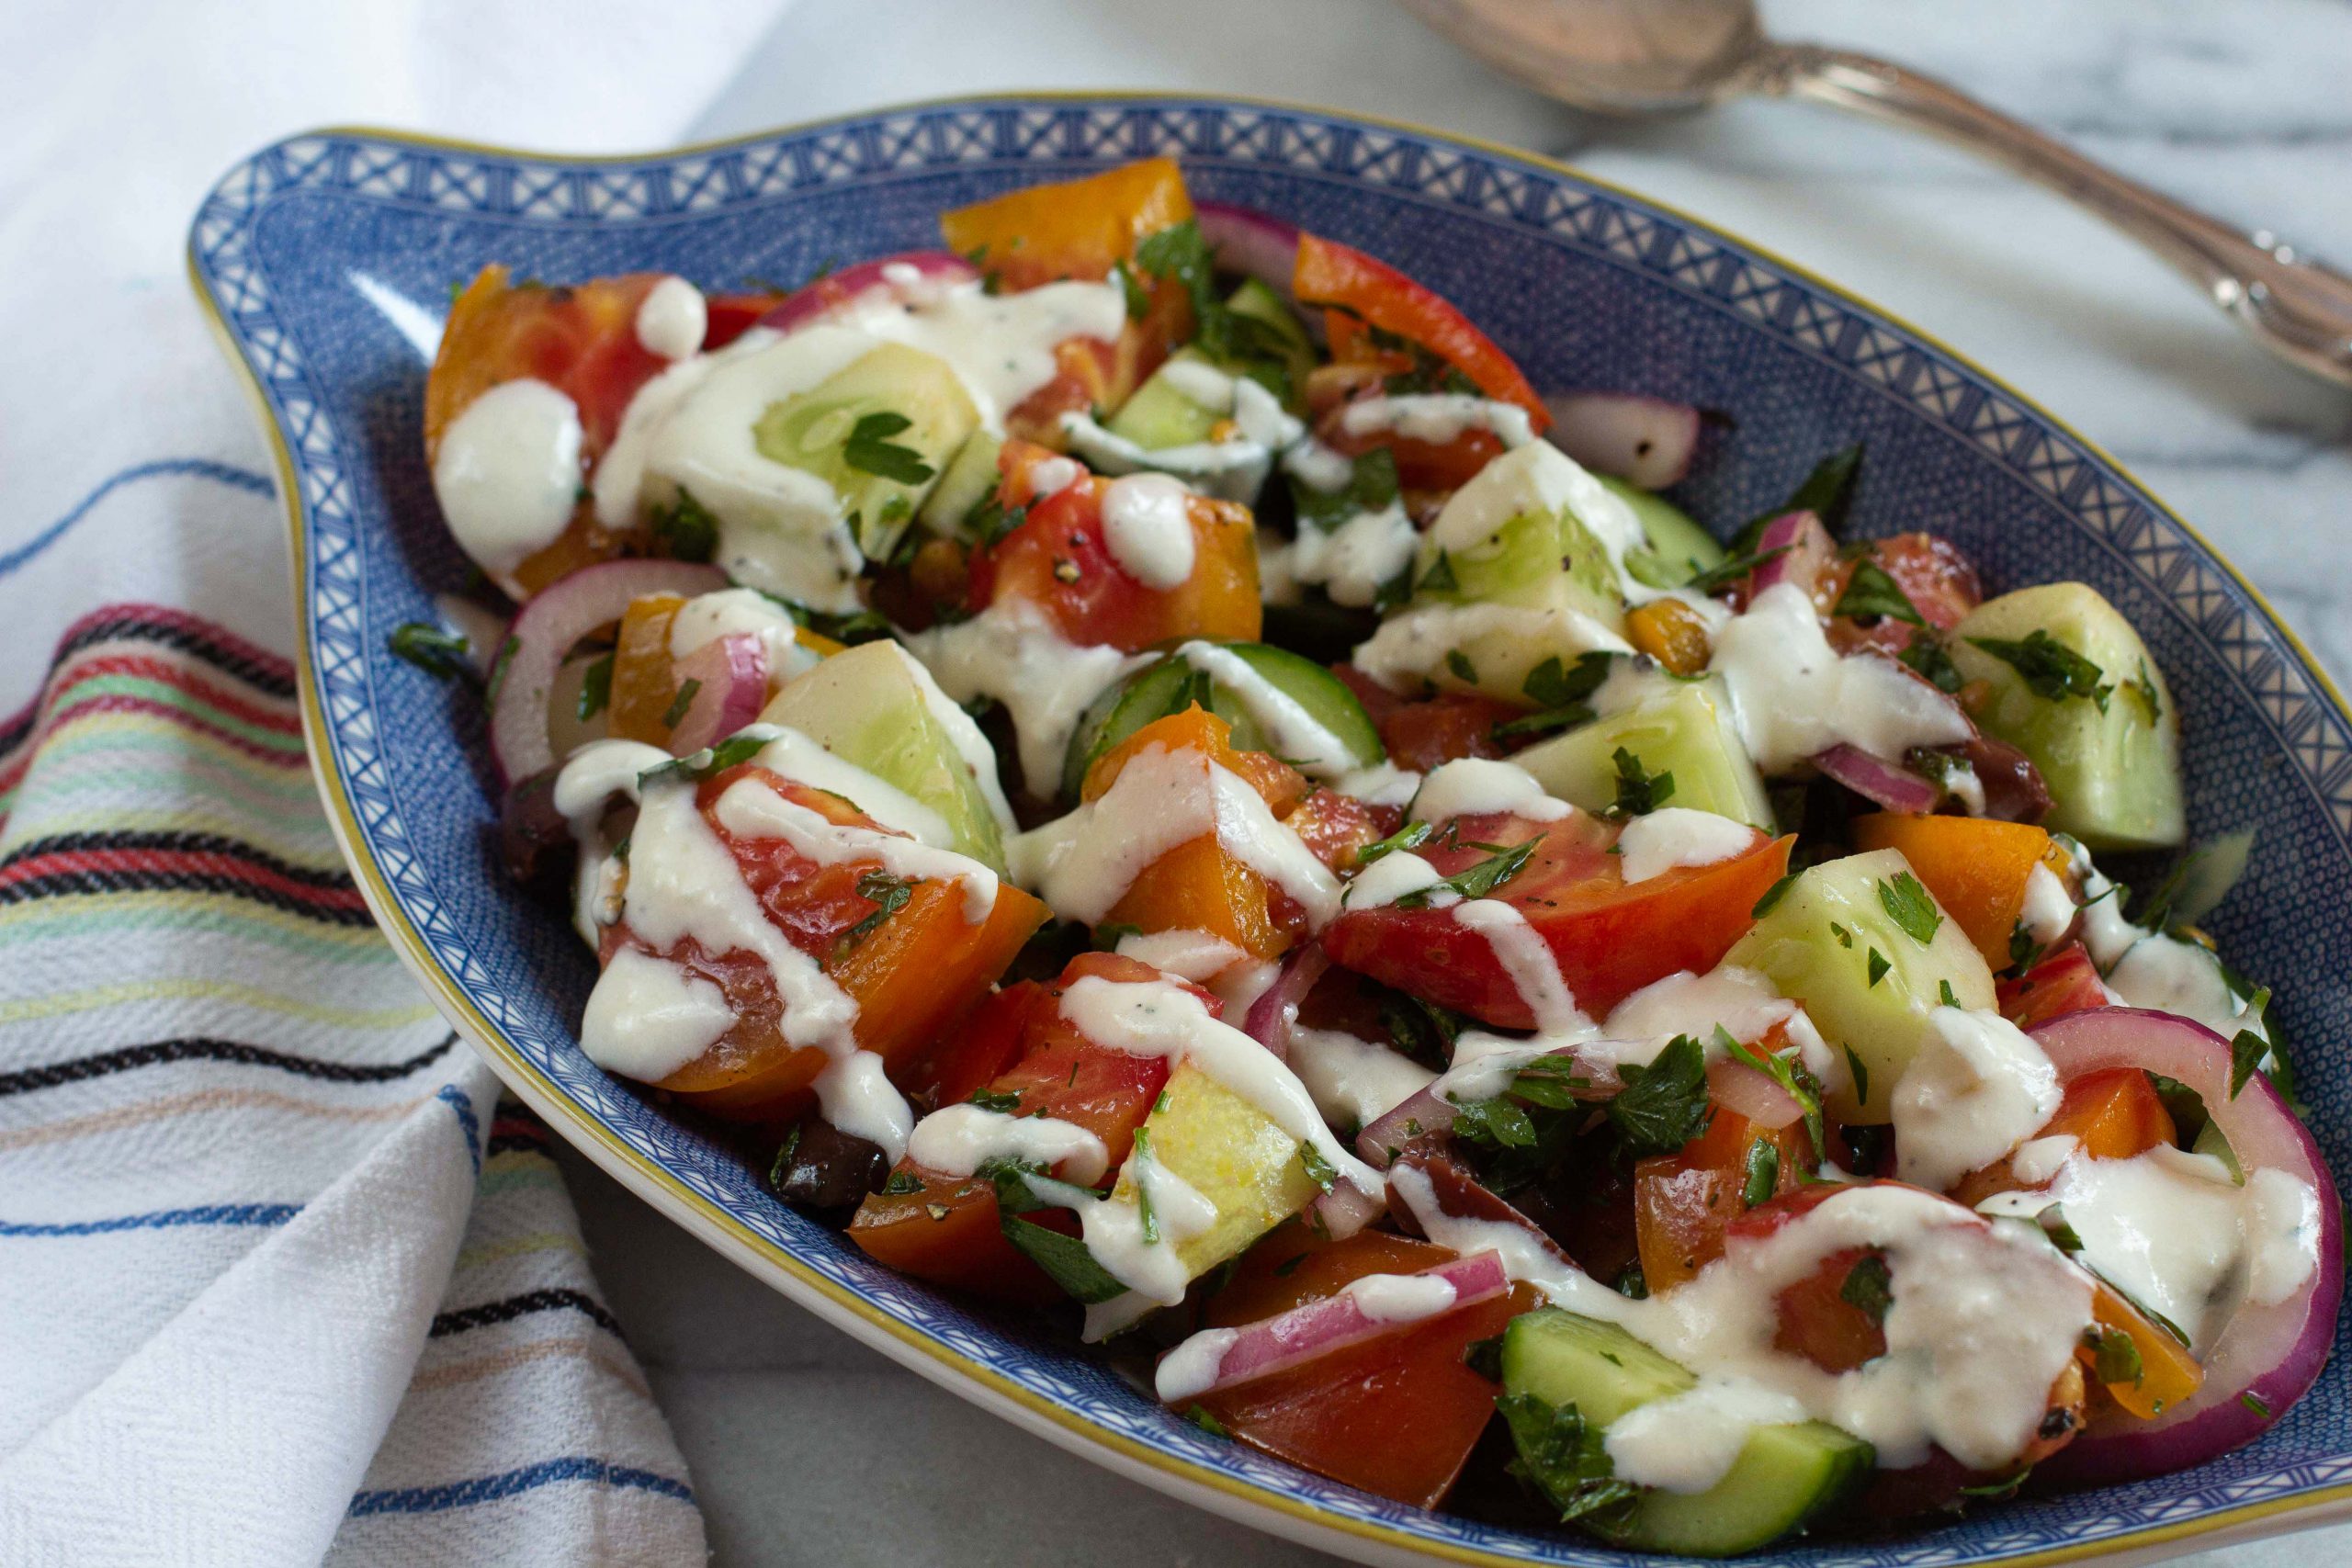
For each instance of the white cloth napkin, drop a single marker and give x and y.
(280, 1280)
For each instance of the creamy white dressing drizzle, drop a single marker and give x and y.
(2048, 913)
(1472, 786)
(752, 809)
(1081, 865)
(1392, 876)
(1354, 1082)
(1674, 836)
(1352, 560)
(1977, 1087)
(647, 1017)
(1528, 961)
(956, 1140)
(672, 319)
(1412, 645)
(2155, 969)
(1794, 697)
(508, 474)
(742, 612)
(1147, 527)
(1438, 418)
(1011, 652)
(1297, 735)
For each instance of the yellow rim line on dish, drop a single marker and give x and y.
(745, 1246)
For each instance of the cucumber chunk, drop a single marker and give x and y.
(1678, 550)
(1515, 570)
(1158, 415)
(1785, 1476)
(813, 430)
(1158, 690)
(2114, 776)
(1798, 944)
(873, 705)
(1684, 728)
(969, 480)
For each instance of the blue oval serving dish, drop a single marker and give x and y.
(326, 263)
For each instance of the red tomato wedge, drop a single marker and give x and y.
(1397, 1415)
(1361, 292)
(1684, 1201)
(1608, 939)
(1422, 734)
(1059, 560)
(912, 976)
(948, 1230)
(2066, 981)
(1934, 575)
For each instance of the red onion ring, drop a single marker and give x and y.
(1884, 783)
(1805, 550)
(2269, 1354)
(1316, 1329)
(730, 675)
(837, 290)
(1275, 1013)
(547, 628)
(1252, 242)
(1645, 441)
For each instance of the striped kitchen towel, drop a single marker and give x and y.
(282, 1281)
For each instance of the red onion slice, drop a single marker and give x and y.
(1275, 1013)
(1738, 1087)
(2268, 1356)
(1220, 1358)
(1429, 1112)
(1806, 550)
(1886, 784)
(1252, 242)
(835, 290)
(1645, 441)
(730, 676)
(547, 628)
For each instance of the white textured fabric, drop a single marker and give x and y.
(280, 1282)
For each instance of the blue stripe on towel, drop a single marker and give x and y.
(466, 1122)
(493, 1488)
(165, 1219)
(227, 474)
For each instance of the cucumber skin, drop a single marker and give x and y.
(1686, 731)
(890, 378)
(1676, 538)
(1563, 1358)
(1157, 416)
(2114, 778)
(1793, 945)
(972, 475)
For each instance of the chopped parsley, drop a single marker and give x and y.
(1458, 665)
(430, 648)
(1320, 1171)
(595, 689)
(1925, 655)
(1828, 492)
(1664, 1105)
(1732, 567)
(2255, 1403)
(2050, 670)
(1878, 967)
(1476, 881)
(688, 691)
(1944, 994)
(784, 1153)
(1440, 578)
(1908, 905)
(1005, 1102)
(1065, 1260)
(1773, 894)
(902, 1183)
(1872, 592)
(870, 450)
(696, 766)
(1861, 1076)
(1869, 1288)
(1199, 1416)
(1371, 486)
(2023, 950)
(1496, 1124)
(1553, 684)
(1563, 1457)
(2114, 1358)
(1782, 1070)
(687, 528)
(2246, 1050)
(1639, 792)
(2141, 689)
(1147, 1216)
(1763, 1172)
(889, 894)
(1411, 836)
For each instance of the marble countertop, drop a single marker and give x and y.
(807, 1447)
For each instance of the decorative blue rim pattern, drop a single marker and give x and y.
(295, 246)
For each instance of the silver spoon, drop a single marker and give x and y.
(1640, 57)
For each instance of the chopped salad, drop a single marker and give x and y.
(1156, 778)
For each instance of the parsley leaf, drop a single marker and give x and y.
(430, 648)
(1065, 1260)
(1773, 894)
(1664, 1105)
(2142, 690)
(1783, 1071)
(1199, 1416)
(1861, 1076)
(987, 522)
(687, 528)
(1496, 1124)
(1476, 881)
(595, 689)
(1639, 792)
(696, 766)
(1440, 578)
(687, 689)
(2114, 1358)
(902, 1184)
(1878, 967)
(1411, 836)
(1003, 1102)
(1733, 568)
(2246, 1050)
(784, 1153)
(2050, 670)
(889, 894)
(1763, 1172)
(1320, 1171)
(2255, 1403)
(1868, 1287)
(1926, 656)
(1458, 665)
(1553, 684)
(1828, 492)
(869, 449)
(1871, 592)
(1944, 994)
(1371, 486)
(1563, 1457)
(1908, 905)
